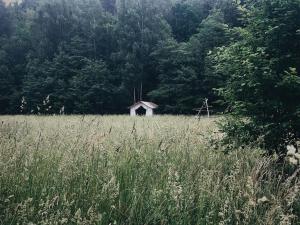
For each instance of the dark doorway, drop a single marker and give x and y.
(141, 111)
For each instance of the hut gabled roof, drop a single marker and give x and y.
(148, 104)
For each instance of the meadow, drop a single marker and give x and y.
(122, 170)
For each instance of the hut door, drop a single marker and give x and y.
(141, 111)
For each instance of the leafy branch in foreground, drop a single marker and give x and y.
(263, 86)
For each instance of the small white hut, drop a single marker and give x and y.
(142, 108)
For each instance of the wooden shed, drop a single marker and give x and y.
(142, 108)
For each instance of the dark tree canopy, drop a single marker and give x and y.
(106, 48)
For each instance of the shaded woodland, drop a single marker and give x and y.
(89, 55)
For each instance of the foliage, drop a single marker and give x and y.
(184, 21)
(177, 79)
(263, 84)
(182, 68)
(45, 45)
(92, 89)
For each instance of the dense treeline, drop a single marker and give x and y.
(87, 56)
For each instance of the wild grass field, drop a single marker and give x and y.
(122, 170)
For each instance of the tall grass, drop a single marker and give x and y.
(122, 170)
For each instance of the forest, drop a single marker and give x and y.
(88, 56)
(69, 70)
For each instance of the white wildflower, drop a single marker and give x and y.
(291, 150)
(297, 156)
(293, 161)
